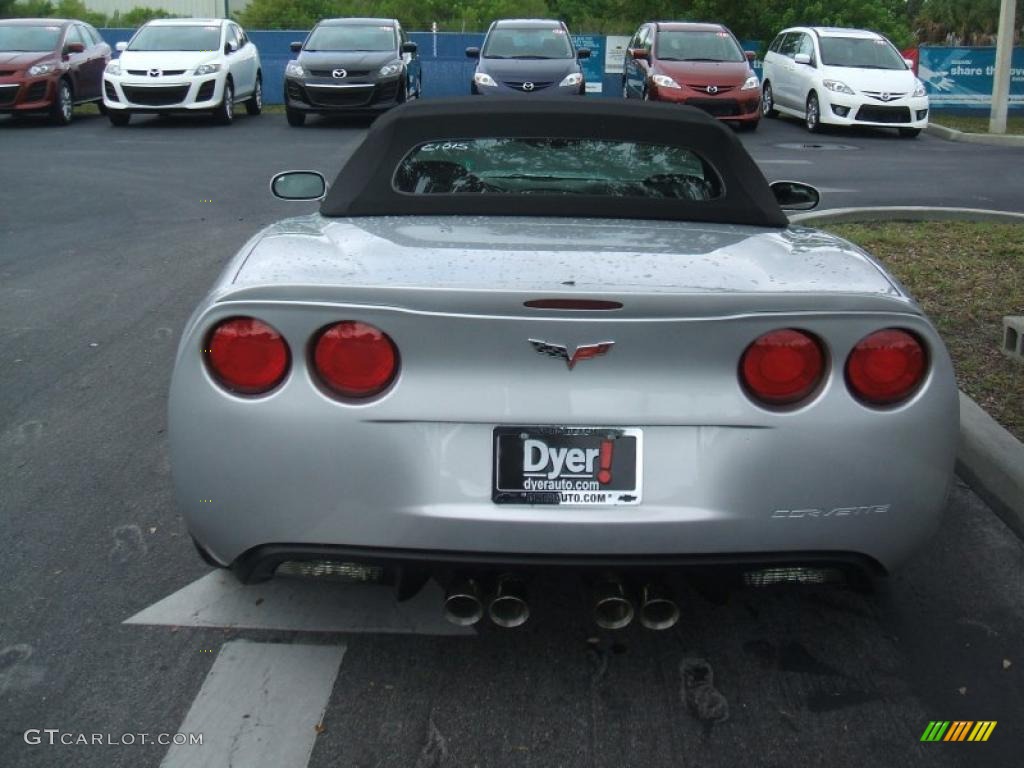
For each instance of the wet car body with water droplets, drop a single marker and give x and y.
(462, 365)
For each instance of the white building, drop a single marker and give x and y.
(206, 9)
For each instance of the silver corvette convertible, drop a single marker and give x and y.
(582, 336)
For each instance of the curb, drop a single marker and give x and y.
(906, 213)
(989, 459)
(989, 139)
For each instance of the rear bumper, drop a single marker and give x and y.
(259, 563)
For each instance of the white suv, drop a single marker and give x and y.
(842, 77)
(184, 65)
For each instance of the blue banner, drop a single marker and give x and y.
(961, 78)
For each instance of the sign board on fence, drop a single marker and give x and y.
(593, 68)
(962, 77)
(615, 54)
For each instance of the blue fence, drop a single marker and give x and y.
(446, 70)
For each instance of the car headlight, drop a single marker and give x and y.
(574, 79)
(664, 81)
(751, 83)
(294, 69)
(390, 70)
(919, 89)
(208, 69)
(838, 87)
(44, 68)
(482, 78)
(113, 68)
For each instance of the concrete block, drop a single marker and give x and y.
(1013, 337)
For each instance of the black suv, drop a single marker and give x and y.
(349, 66)
(531, 57)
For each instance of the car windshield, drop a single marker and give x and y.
(860, 52)
(17, 38)
(527, 43)
(690, 45)
(550, 166)
(351, 37)
(177, 37)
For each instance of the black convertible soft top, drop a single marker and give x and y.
(364, 186)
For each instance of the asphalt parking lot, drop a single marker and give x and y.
(108, 238)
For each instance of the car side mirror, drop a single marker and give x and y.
(640, 54)
(299, 185)
(296, 47)
(473, 53)
(795, 195)
(74, 48)
(230, 48)
(121, 47)
(802, 58)
(583, 53)
(409, 47)
(751, 56)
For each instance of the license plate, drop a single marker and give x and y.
(578, 466)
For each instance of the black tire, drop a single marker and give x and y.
(296, 119)
(625, 88)
(63, 104)
(749, 126)
(101, 107)
(812, 113)
(910, 133)
(119, 118)
(768, 100)
(254, 105)
(646, 94)
(224, 114)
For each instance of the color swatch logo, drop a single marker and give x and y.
(958, 730)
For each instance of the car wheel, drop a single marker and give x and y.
(60, 110)
(768, 101)
(646, 95)
(255, 103)
(625, 89)
(295, 118)
(910, 133)
(101, 107)
(225, 113)
(812, 115)
(119, 118)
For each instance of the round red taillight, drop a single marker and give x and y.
(782, 367)
(886, 367)
(355, 359)
(247, 356)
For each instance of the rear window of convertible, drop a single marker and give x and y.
(552, 166)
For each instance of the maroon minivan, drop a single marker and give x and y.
(702, 65)
(49, 66)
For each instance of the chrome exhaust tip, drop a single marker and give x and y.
(462, 604)
(509, 607)
(658, 608)
(612, 607)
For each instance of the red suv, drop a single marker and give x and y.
(50, 65)
(702, 65)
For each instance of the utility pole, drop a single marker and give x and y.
(1004, 58)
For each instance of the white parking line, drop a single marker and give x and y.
(218, 600)
(260, 705)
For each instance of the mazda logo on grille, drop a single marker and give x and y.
(155, 73)
(583, 352)
(339, 74)
(712, 89)
(527, 86)
(886, 97)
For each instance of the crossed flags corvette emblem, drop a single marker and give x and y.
(584, 352)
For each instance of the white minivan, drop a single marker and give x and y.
(827, 75)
